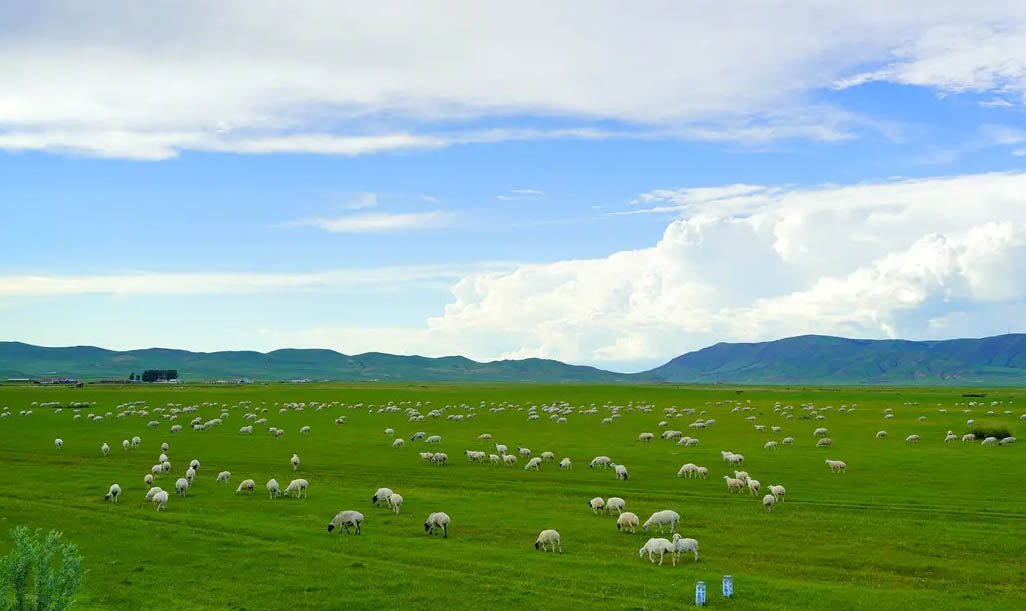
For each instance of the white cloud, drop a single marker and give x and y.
(382, 222)
(355, 78)
(196, 283)
(747, 262)
(362, 201)
(520, 194)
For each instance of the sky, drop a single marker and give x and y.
(598, 182)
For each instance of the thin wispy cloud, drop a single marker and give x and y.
(362, 202)
(518, 194)
(380, 222)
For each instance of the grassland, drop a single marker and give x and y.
(932, 526)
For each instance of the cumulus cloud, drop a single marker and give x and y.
(904, 258)
(356, 78)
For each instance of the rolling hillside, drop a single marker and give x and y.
(808, 359)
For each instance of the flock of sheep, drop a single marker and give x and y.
(350, 521)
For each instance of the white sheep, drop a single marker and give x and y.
(381, 497)
(136, 442)
(148, 480)
(390, 432)
(656, 545)
(343, 520)
(113, 493)
(162, 459)
(549, 540)
(989, 441)
(223, 477)
(820, 432)
(297, 488)
(58, 443)
(509, 459)
(105, 449)
(566, 465)
(968, 437)
(627, 522)
(950, 437)
(825, 442)
(702, 472)
(787, 441)
(1007, 441)
(768, 501)
(247, 485)
(615, 503)
(160, 500)
(434, 439)
(753, 486)
(600, 461)
(682, 544)
(548, 456)
(181, 486)
(305, 430)
(194, 464)
(881, 434)
(440, 458)
(533, 464)
(596, 504)
(661, 518)
(778, 491)
(621, 472)
(646, 437)
(395, 501)
(295, 462)
(438, 520)
(836, 466)
(125, 445)
(272, 488)
(496, 459)
(164, 447)
(152, 491)
(770, 445)
(687, 469)
(398, 442)
(734, 484)
(912, 439)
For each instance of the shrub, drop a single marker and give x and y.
(983, 432)
(40, 574)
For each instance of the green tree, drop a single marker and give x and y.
(39, 574)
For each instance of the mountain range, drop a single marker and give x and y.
(807, 359)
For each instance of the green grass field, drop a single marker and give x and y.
(928, 526)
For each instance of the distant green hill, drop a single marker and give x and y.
(816, 359)
(18, 360)
(808, 359)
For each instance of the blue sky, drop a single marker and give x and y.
(603, 187)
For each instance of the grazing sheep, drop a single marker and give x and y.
(615, 503)
(646, 437)
(525, 452)
(950, 437)
(105, 448)
(194, 464)
(566, 465)
(836, 466)
(160, 500)
(58, 443)
(753, 486)
(125, 445)
(395, 501)
(687, 469)
(272, 488)
(787, 441)
(434, 439)
(148, 480)
(770, 445)
(113, 494)
(968, 437)
(549, 541)
(165, 467)
(1007, 441)
(305, 430)
(343, 520)
(152, 491)
(682, 544)
(381, 497)
(136, 442)
(881, 434)
(702, 472)
(164, 447)
(501, 448)
(190, 474)
(495, 459)
(247, 485)
(621, 472)
(398, 442)
(600, 461)
(509, 459)
(157, 469)
(533, 464)
(295, 462)
(820, 432)
(734, 484)
(548, 456)
(661, 518)
(912, 439)
(438, 520)
(825, 442)
(627, 522)
(297, 488)
(989, 441)
(246, 430)
(440, 458)
(162, 459)
(181, 486)
(656, 545)
(742, 475)
(596, 504)
(768, 501)
(223, 477)
(390, 432)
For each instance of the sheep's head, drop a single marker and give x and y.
(331, 526)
